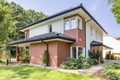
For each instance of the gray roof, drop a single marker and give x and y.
(47, 36)
(95, 43)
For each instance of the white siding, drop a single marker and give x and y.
(57, 26)
(90, 38)
(38, 30)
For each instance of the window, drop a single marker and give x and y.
(75, 52)
(91, 31)
(67, 25)
(71, 24)
(26, 35)
(79, 51)
(50, 28)
(80, 23)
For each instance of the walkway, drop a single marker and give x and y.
(87, 72)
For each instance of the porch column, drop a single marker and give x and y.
(17, 53)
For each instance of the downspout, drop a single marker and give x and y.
(86, 36)
(46, 49)
(45, 44)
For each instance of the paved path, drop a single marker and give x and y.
(88, 72)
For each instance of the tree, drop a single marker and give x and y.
(115, 9)
(4, 16)
(12, 18)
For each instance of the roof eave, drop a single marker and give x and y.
(64, 12)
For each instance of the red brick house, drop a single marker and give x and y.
(65, 34)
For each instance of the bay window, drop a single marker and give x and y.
(73, 23)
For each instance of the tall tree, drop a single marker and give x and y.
(4, 16)
(21, 17)
(12, 18)
(115, 9)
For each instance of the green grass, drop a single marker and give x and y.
(35, 73)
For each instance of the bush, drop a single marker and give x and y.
(107, 56)
(93, 62)
(24, 55)
(73, 63)
(94, 55)
(112, 74)
(112, 66)
(112, 71)
(112, 57)
(45, 57)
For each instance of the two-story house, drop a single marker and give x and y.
(65, 34)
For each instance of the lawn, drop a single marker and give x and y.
(35, 73)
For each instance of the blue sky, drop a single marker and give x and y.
(99, 9)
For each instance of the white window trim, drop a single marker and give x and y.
(80, 24)
(70, 22)
(71, 54)
(76, 52)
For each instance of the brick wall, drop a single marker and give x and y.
(36, 53)
(63, 52)
(58, 52)
(78, 34)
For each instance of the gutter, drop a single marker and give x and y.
(45, 44)
(46, 49)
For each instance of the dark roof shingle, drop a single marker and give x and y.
(47, 36)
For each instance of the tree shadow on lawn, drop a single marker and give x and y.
(25, 72)
(35, 73)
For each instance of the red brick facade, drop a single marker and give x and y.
(58, 52)
(78, 34)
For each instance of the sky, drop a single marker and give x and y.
(99, 9)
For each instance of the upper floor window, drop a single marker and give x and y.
(26, 35)
(71, 24)
(50, 28)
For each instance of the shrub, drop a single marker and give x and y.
(73, 63)
(24, 55)
(45, 57)
(112, 57)
(107, 56)
(94, 55)
(112, 71)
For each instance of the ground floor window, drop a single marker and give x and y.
(75, 52)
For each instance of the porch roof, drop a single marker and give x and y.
(47, 36)
(96, 43)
